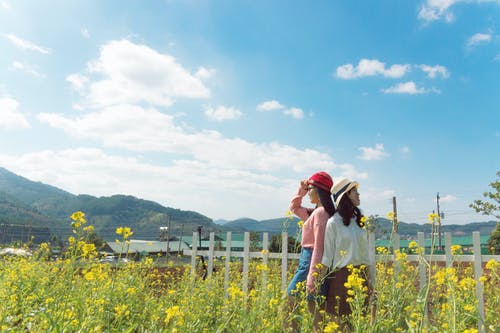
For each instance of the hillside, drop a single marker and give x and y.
(272, 226)
(382, 228)
(37, 205)
(25, 202)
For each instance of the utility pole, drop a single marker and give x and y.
(395, 220)
(180, 238)
(168, 233)
(440, 247)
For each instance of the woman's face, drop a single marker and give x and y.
(313, 195)
(354, 196)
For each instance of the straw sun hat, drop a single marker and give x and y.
(342, 186)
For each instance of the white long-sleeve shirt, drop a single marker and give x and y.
(344, 245)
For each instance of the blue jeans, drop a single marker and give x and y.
(301, 276)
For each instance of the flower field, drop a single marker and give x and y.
(78, 294)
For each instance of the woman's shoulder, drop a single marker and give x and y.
(319, 211)
(335, 219)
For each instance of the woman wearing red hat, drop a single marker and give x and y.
(318, 187)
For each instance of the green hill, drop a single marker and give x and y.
(382, 227)
(37, 205)
(24, 202)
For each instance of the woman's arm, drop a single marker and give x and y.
(319, 220)
(296, 203)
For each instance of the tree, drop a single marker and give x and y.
(494, 240)
(275, 244)
(491, 206)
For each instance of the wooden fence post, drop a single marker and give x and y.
(194, 249)
(265, 257)
(478, 272)
(228, 261)
(284, 259)
(246, 257)
(371, 254)
(396, 248)
(421, 264)
(211, 254)
(447, 248)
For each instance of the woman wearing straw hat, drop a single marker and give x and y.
(318, 187)
(346, 244)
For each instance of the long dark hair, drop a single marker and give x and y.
(347, 210)
(326, 200)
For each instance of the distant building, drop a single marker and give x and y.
(137, 248)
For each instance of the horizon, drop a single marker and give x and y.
(223, 107)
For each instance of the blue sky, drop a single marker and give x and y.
(221, 107)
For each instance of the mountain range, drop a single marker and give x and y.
(27, 203)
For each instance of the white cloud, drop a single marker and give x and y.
(78, 82)
(371, 67)
(433, 10)
(17, 65)
(350, 171)
(478, 39)
(375, 195)
(405, 150)
(407, 88)
(448, 198)
(433, 71)
(131, 73)
(222, 113)
(77, 107)
(27, 45)
(370, 154)
(184, 184)
(270, 106)
(10, 116)
(205, 73)
(85, 33)
(146, 130)
(4, 4)
(295, 113)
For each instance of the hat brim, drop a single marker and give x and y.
(318, 185)
(350, 187)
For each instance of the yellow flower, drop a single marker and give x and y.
(362, 221)
(390, 215)
(331, 327)
(122, 310)
(174, 312)
(300, 224)
(456, 249)
(470, 330)
(78, 216)
(433, 218)
(126, 232)
(89, 228)
(492, 264)
(469, 308)
(273, 302)
(412, 244)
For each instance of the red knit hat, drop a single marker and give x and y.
(322, 180)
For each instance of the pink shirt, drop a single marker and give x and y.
(313, 231)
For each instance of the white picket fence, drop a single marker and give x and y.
(477, 259)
